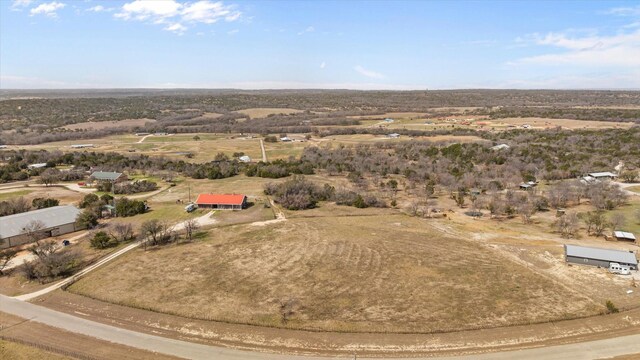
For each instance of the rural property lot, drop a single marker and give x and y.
(395, 274)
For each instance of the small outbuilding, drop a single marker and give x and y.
(584, 255)
(222, 201)
(605, 175)
(624, 236)
(244, 159)
(56, 220)
(500, 147)
(37, 166)
(393, 136)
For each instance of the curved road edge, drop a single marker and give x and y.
(606, 348)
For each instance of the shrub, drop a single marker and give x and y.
(102, 241)
(611, 308)
(42, 203)
(126, 207)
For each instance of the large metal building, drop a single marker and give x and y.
(56, 220)
(599, 257)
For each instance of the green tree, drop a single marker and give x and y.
(87, 219)
(101, 240)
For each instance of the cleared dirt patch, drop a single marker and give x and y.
(372, 273)
(256, 113)
(98, 125)
(565, 123)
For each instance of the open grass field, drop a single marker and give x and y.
(99, 125)
(256, 113)
(381, 273)
(65, 195)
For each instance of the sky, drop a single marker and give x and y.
(394, 45)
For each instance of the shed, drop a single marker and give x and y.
(285, 139)
(222, 201)
(599, 257)
(623, 235)
(393, 135)
(603, 175)
(56, 220)
(37, 166)
(244, 159)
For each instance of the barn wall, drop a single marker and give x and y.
(584, 261)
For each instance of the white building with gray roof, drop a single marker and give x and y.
(56, 220)
(584, 255)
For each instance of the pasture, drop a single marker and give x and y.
(380, 273)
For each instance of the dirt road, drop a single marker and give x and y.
(26, 256)
(264, 152)
(202, 221)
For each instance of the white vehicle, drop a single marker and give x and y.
(616, 268)
(190, 207)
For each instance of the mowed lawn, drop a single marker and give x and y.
(389, 273)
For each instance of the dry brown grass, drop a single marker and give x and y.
(256, 113)
(32, 340)
(370, 273)
(99, 125)
(16, 351)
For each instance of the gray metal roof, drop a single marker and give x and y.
(624, 235)
(602, 174)
(601, 254)
(106, 175)
(13, 225)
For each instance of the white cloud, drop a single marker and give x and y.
(208, 12)
(625, 11)
(307, 30)
(622, 49)
(99, 8)
(368, 73)
(323, 65)
(47, 9)
(176, 28)
(175, 12)
(156, 10)
(18, 5)
(233, 32)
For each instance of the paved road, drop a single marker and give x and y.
(588, 350)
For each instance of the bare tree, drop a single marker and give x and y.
(158, 232)
(122, 232)
(33, 230)
(190, 227)
(596, 222)
(44, 250)
(526, 210)
(50, 176)
(567, 225)
(616, 221)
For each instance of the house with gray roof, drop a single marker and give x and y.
(56, 220)
(114, 177)
(584, 255)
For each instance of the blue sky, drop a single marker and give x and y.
(319, 44)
